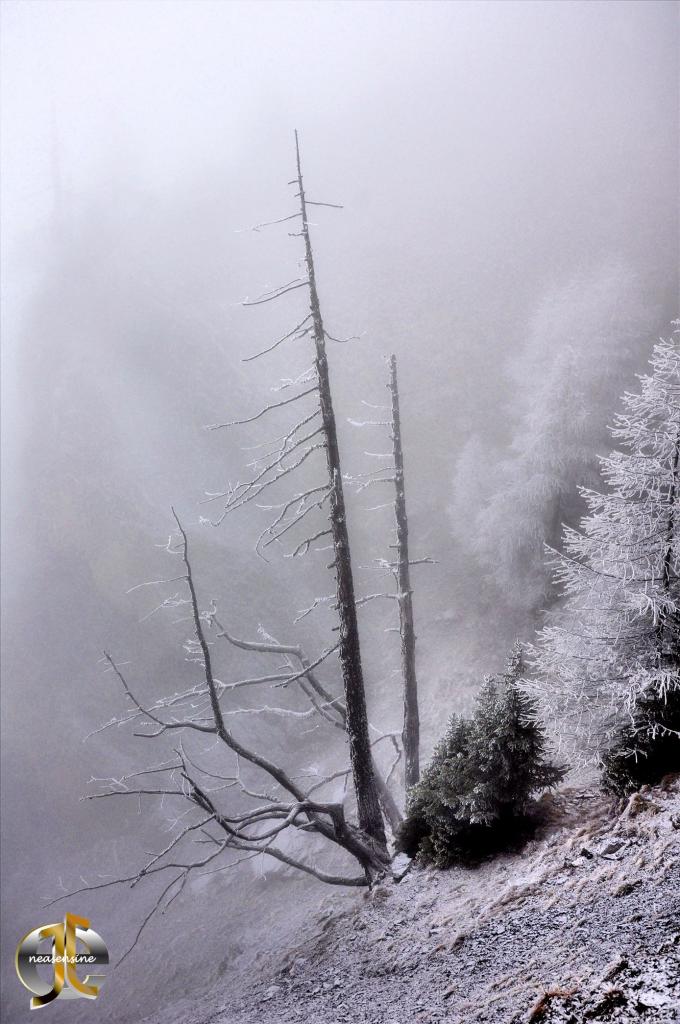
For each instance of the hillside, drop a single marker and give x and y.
(583, 924)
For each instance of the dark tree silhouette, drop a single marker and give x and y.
(411, 731)
(305, 438)
(368, 805)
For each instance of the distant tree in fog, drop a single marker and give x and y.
(583, 343)
(609, 667)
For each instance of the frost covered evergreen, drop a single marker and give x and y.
(474, 794)
(610, 665)
(583, 343)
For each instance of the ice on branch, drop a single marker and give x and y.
(615, 643)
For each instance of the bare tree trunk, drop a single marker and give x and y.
(411, 731)
(333, 710)
(669, 624)
(370, 817)
(387, 801)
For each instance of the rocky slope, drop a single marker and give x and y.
(583, 924)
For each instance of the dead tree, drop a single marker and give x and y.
(411, 731)
(266, 801)
(288, 453)
(370, 818)
(330, 708)
(391, 473)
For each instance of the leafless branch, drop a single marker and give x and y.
(154, 583)
(316, 603)
(304, 545)
(252, 490)
(267, 408)
(311, 666)
(342, 341)
(276, 293)
(291, 334)
(186, 724)
(270, 223)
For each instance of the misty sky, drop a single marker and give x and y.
(491, 105)
(484, 152)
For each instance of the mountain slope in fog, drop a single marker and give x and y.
(583, 924)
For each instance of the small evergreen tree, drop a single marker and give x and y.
(610, 668)
(474, 795)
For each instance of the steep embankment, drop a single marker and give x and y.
(583, 925)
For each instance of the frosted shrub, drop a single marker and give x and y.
(474, 795)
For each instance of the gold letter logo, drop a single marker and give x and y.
(63, 959)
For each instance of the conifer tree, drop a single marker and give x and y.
(474, 794)
(610, 665)
(582, 344)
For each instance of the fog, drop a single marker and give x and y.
(509, 179)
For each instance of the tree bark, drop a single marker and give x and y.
(411, 730)
(669, 625)
(361, 760)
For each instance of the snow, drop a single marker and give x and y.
(548, 934)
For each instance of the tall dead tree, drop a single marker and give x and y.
(305, 438)
(391, 473)
(411, 730)
(368, 807)
(247, 804)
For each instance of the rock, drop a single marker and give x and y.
(612, 846)
(652, 999)
(401, 865)
(380, 892)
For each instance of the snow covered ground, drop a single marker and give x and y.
(583, 924)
